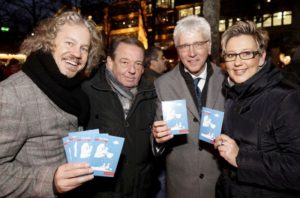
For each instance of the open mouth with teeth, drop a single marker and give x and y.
(72, 62)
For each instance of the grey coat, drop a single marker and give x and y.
(31, 131)
(192, 168)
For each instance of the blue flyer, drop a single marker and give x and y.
(80, 144)
(101, 150)
(106, 154)
(68, 149)
(211, 124)
(175, 114)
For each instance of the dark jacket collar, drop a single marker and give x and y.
(268, 76)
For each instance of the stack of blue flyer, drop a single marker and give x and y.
(175, 114)
(211, 124)
(101, 151)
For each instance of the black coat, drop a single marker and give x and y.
(134, 176)
(263, 116)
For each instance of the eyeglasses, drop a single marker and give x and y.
(196, 45)
(246, 55)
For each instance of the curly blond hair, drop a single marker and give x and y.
(46, 32)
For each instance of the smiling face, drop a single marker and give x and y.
(193, 58)
(240, 70)
(71, 48)
(127, 66)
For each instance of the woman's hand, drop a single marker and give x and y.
(227, 148)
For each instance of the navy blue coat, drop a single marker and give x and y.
(263, 116)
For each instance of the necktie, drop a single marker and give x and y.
(198, 93)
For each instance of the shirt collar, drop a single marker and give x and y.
(202, 75)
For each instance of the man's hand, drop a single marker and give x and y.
(161, 132)
(71, 175)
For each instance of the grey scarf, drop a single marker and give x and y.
(125, 95)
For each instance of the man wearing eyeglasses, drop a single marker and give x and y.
(191, 166)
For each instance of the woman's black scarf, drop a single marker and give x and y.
(63, 91)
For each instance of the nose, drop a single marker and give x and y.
(132, 69)
(76, 51)
(191, 51)
(238, 61)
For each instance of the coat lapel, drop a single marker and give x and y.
(214, 90)
(66, 115)
(182, 91)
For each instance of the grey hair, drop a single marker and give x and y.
(194, 25)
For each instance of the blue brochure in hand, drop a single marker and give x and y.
(80, 146)
(100, 150)
(106, 154)
(175, 114)
(68, 149)
(211, 124)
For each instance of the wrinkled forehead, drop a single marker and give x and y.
(129, 51)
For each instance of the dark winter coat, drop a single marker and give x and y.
(134, 176)
(263, 116)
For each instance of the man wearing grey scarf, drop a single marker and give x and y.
(123, 104)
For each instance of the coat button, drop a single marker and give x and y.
(126, 124)
(201, 176)
(195, 119)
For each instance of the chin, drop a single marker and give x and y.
(130, 86)
(70, 75)
(239, 81)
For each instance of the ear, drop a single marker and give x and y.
(153, 64)
(262, 58)
(109, 63)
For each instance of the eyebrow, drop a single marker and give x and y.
(123, 58)
(243, 50)
(75, 41)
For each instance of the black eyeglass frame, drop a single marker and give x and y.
(254, 53)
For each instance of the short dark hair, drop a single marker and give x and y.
(123, 39)
(150, 54)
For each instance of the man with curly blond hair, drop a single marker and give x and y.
(40, 104)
